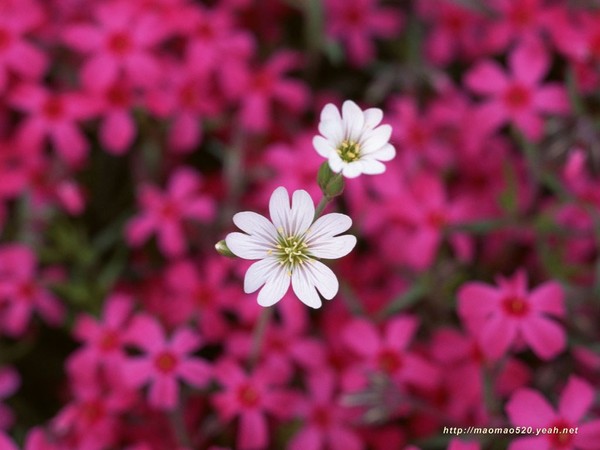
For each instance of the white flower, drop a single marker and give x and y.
(353, 142)
(289, 247)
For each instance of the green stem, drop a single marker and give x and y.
(258, 336)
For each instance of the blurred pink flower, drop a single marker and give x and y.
(251, 397)
(387, 352)
(6, 443)
(528, 408)
(120, 42)
(9, 384)
(500, 317)
(265, 86)
(165, 360)
(54, 115)
(164, 213)
(358, 22)
(519, 97)
(17, 55)
(326, 423)
(459, 444)
(22, 292)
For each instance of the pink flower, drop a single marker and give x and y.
(121, 41)
(9, 384)
(17, 55)
(164, 213)
(55, 116)
(103, 339)
(326, 422)
(358, 22)
(528, 408)
(264, 86)
(6, 443)
(458, 444)
(388, 352)
(251, 397)
(519, 97)
(164, 361)
(22, 293)
(502, 316)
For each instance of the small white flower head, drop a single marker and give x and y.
(354, 142)
(289, 247)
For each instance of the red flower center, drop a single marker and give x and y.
(594, 45)
(520, 16)
(109, 341)
(436, 219)
(354, 16)
(389, 361)
(189, 95)
(118, 96)
(120, 43)
(205, 31)
(560, 437)
(27, 290)
(517, 97)
(5, 39)
(321, 417)
(417, 136)
(515, 306)
(165, 362)
(203, 295)
(169, 210)
(93, 411)
(248, 396)
(53, 108)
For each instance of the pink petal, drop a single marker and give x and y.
(477, 300)
(362, 337)
(202, 209)
(530, 124)
(99, 72)
(308, 438)
(184, 183)
(588, 436)
(419, 372)
(143, 70)
(70, 143)
(137, 371)
(83, 38)
(551, 99)
(170, 239)
(164, 392)
(345, 439)
(530, 443)
(146, 333)
(576, 399)
(139, 229)
(529, 63)
(496, 336)
(486, 78)
(528, 408)
(546, 338)
(195, 372)
(27, 60)
(117, 132)
(548, 298)
(185, 133)
(252, 432)
(185, 341)
(400, 331)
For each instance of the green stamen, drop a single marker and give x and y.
(291, 251)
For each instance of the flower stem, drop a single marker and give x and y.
(258, 336)
(177, 422)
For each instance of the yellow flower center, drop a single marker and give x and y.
(349, 151)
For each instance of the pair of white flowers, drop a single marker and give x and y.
(289, 246)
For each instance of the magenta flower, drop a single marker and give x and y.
(6, 443)
(17, 55)
(164, 362)
(55, 116)
(388, 352)
(519, 97)
(357, 23)
(529, 408)
(266, 86)
(9, 384)
(327, 423)
(103, 339)
(22, 293)
(251, 397)
(165, 213)
(121, 40)
(501, 316)
(459, 444)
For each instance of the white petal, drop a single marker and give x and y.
(372, 167)
(256, 225)
(354, 120)
(335, 163)
(323, 278)
(334, 247)
(258, 274)
(275, 288)
(385, 153)
(353, 169)
(302, 214)
(330, 112)
(247, 247)
(279, 208)
(375, 139)
(323, 146)
(304, 288)
(327, 226)
(373, 117)
(333, 130)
